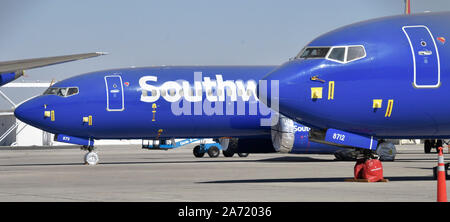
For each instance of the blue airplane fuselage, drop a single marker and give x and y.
(386, 78)
(159, 103)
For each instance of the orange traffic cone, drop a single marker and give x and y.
(441, 187)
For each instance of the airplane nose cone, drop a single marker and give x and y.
(28, 112)
(285, 88)
(268, 92)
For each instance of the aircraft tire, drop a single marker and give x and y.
(197, 152)
(438, 144)
(227, 153)
(213, 151)
(243, 154)
(91, 158)
(427, 146)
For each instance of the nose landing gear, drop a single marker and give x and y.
(91, 158)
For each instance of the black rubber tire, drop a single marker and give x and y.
(213, 151)
(438, 144)
(243, 154)
(227, 153)
(427, 146)
(197, 152)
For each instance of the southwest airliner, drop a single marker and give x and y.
(373, 80)
(162, 103)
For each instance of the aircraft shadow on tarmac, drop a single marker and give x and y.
(283, 159)
(315, 180)
(416, 160)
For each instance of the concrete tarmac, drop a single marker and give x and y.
(129, 173)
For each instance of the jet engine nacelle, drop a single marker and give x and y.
(286, 136)
(243, 145)
(283, 134)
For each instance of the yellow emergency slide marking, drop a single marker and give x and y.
(377, 103)
(154, 111)
(316, 92)
(52, 113)
(88, 119)
(389, 108)
(330, 90)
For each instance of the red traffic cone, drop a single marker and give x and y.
(441, 187)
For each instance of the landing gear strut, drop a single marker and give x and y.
(364, 154)
(429, 144)
(91, 158)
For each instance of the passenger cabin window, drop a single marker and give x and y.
(61, 91)
(313, 53)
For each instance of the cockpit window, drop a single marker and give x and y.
(61, 91)
(338, 54)
(313, 53)
(346, 54)
(355, 52)
(72, 91)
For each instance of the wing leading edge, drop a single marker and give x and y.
(19, 65)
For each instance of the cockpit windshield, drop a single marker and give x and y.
(340, 54)
(313, 53)
(61, 91)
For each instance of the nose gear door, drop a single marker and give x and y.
(114, 93)
(425, 56)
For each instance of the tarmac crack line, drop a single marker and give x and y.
(44, 196)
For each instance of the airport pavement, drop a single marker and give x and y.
(128, 173)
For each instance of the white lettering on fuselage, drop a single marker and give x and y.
(301, 128)
(181, 94)
(215, 90)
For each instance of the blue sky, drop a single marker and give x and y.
(176, 32)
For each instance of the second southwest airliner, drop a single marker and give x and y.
(372, 80)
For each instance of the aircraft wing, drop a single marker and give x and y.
(16, 65)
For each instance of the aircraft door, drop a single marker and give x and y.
(425, 56)
(114, 93)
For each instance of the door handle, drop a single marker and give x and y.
(422, 53)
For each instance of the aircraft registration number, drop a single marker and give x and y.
(337, 136)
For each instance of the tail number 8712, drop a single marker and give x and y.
(340, 137)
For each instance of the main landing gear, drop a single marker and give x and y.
(432, 144)
(91, 157)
